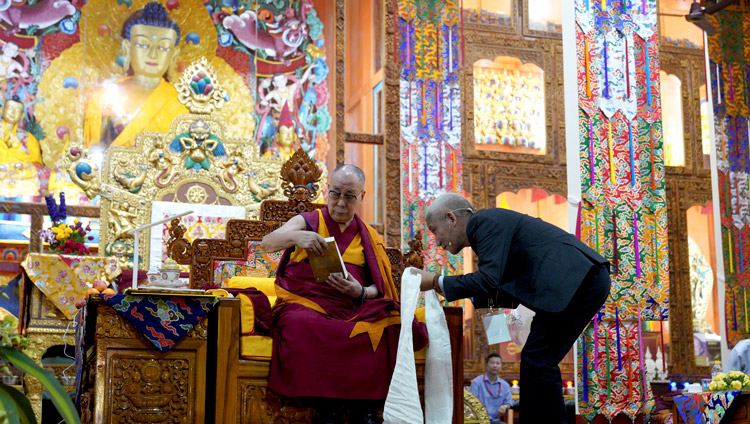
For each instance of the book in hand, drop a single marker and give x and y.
(330, 263)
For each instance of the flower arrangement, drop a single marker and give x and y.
(61, 237)
(733, 380)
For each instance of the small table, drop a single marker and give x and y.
(124, 378)
(51, 286)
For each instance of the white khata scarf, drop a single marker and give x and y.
(402, 404)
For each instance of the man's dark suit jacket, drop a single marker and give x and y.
(521, 260)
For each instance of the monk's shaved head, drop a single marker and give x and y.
(350, 169)
(449, 202)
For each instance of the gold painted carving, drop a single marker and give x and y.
(474, 411)
(213, 95)
(150, 390)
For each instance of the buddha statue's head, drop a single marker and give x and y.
(287, 137)
(13, 111)
(149, 42)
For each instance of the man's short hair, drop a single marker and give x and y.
(354, 169)
(492, 355)
(449, 202)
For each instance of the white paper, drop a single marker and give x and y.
(402, 404)
(160, 210)
(496, 327)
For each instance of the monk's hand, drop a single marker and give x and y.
(426, 276)
(347, 286)
(312, 242)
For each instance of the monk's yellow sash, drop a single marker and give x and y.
(354, 254)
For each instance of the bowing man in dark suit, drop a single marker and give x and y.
(524, 260)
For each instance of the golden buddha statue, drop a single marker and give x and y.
(286, 138)
(127, 87)
(145, 100)
(16, 145)
(20, 157)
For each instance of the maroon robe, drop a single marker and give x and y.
(314, 354)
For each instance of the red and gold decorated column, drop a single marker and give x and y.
(729, 73)
(622, 213)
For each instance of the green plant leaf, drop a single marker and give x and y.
(8, 406)
(59, 396)
(21, 407)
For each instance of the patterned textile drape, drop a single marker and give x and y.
(729, 66)
(429, 54)
(623, 209)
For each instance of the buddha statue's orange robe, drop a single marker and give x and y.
(325, 344)
(105, 124)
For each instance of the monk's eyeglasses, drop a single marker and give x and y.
(349, 198)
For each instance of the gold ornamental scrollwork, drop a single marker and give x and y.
(83, 171)
(474, 411)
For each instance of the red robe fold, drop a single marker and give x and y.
(324, 343)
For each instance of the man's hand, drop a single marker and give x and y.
(427, 277)
(348, 286)
(312, 242)
(502, 410)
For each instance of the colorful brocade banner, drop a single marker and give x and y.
(623, 209)
(428, 48)
(729, 67)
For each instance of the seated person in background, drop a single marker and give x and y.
(491, 390)
(739, 358)
(338, 339)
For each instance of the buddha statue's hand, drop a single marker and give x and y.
(311, 241)
(347, 286)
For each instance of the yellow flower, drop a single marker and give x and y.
(720, 376)
(721, 385)
(734, 373)
(736, 385)
(712, 386)
(60, 236)
(75, 221)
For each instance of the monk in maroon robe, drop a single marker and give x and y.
(337, 339)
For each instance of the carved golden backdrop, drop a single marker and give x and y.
(92, 64)
(195, 162)
(133, 177)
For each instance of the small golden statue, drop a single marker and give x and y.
(198, 143)
(15, 149)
